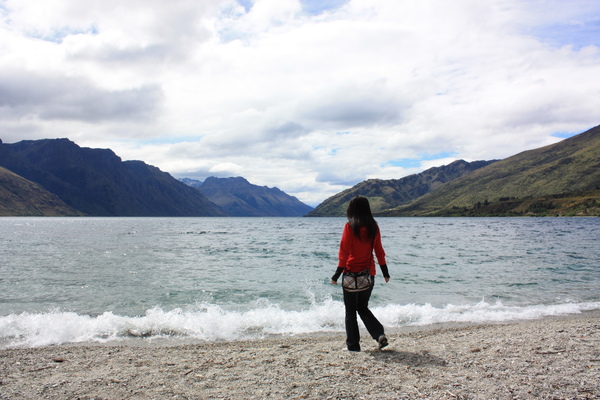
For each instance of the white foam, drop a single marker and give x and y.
(211, 322)
(414, 314)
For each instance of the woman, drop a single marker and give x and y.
(361, 236)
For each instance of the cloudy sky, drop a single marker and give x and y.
(311, 96)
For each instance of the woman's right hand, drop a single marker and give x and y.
(333, 282)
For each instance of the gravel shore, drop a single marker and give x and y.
(553, 358)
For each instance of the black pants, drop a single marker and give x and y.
(358, 302)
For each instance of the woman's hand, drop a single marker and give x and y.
(387, 279)
(333, 282)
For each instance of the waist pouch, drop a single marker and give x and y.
(357, 281)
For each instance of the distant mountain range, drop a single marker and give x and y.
(387, 194)
(93, 182)
(240, 198)
(54, 177)
(57, 177)
(560, 179)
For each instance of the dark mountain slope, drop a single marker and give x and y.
(20, 197)
(97, 182)
(240, 198)
(386, 194)
(567, 169)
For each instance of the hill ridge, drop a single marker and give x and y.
(21, 197)
(240, 198)
(97, 182)
(568, 170)
(390, 193)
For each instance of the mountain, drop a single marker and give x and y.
(96, 181)
(387, 194)
(240, 198)
(559, 179)
(20, 197)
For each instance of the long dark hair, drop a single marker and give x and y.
(359, 215)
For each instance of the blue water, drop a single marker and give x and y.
(66, 280)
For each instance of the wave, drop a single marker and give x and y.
(211, 322)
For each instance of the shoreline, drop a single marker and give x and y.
(553, 357)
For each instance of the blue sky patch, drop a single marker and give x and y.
(578, 35)
(405, 163)
(564, 135)
(247, 4)
(58, 35)
(416, 162)
(311, 7)
(316, 7)
(169, 140)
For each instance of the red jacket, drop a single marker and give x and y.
(357, 254)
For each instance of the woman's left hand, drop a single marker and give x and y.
(387, 279)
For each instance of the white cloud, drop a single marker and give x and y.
(307, 96)
(227, 168)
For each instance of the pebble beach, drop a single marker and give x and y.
(551, 358)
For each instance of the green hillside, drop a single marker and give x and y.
(387, 194)
(559, 179)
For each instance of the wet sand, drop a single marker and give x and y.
(552, 358)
